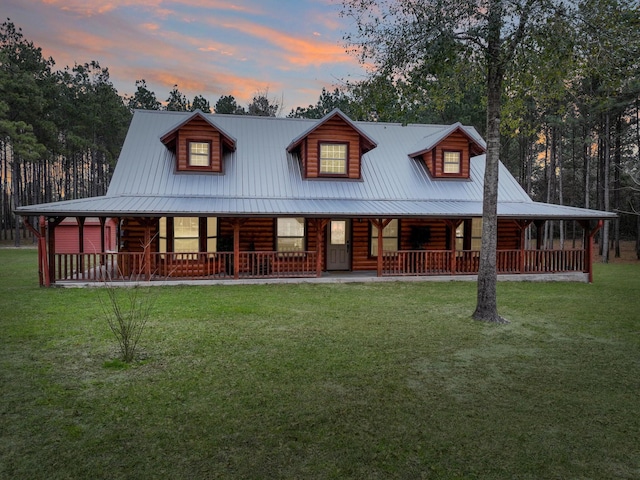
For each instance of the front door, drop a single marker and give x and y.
(339, 245)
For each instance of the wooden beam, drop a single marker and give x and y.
(380, 224)
(52, 223)
(321, 224)
(453, 225)
(588, 253)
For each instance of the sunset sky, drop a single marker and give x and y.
(293, 48)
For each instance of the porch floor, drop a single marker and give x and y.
(339, 277)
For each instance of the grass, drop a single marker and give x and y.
(337, 381)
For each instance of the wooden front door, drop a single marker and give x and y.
(339, 245)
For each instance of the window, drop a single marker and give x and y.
(451, 162)
(198, 154)
(476, 233)
(474, 236)
(333, 158)
(390, 236)
(290, 235)
(187, 235)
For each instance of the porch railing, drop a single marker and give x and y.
(440, 262)
(118, 266)
(123, 266)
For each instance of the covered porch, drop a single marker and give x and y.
(243, 262)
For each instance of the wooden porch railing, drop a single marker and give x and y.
(121, 266)
(124, 266)
(439, 262)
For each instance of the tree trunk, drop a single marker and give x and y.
(605, 188)
(487, 307)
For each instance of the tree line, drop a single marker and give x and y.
(570, 128)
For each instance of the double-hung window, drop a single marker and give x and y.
(188, 235)
(333, 158)
(390, 237)
(290, 234)
(451, 162)
(199, 154)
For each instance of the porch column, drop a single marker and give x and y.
(539, 233)
(237, 223)
(522, 225)
(380, 224)
(80, 221)
(453, 226)
(51, 230)
(103, 221)
(43, 270)
(588, 248)
(147, 249)
(321, 224)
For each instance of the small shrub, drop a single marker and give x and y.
(127, 311)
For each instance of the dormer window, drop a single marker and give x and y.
(199, 154)
(199, 144)
(452, 161)
(333, 158)
(332, 147)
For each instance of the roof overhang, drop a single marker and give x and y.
(160, 206)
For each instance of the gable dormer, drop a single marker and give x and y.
(332, 148)
(447, 152)
(198, 144)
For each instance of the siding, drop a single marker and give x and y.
(434, 160)
(198, 130)
(334, 130)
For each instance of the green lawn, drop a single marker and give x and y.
(362, 381)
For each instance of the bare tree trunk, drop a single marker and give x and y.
(605, 188)
(617, 167)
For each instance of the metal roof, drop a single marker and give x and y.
(262, 178)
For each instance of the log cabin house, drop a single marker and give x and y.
(203, 196)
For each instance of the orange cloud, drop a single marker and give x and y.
(297, 51)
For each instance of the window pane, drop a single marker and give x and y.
(199, 154)
(291, 227)
(186, 227)
(333, 158)
(212, 227)
(185, 245)
(451, 162)
(338, 232)
(290, 234)
(290, 244)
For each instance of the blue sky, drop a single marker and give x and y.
(292, 48)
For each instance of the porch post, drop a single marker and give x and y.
(42, 252)
(103, 221)
(147, 249)
(51, 227)
(588, 251)
(380, 224)
(236, 248)
(80, 221)
(43, 271)
(453, 225)
(539, 233)
(321, 224)
(522, 225)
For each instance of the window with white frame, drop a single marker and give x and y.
(199, 154)
(333, 158)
